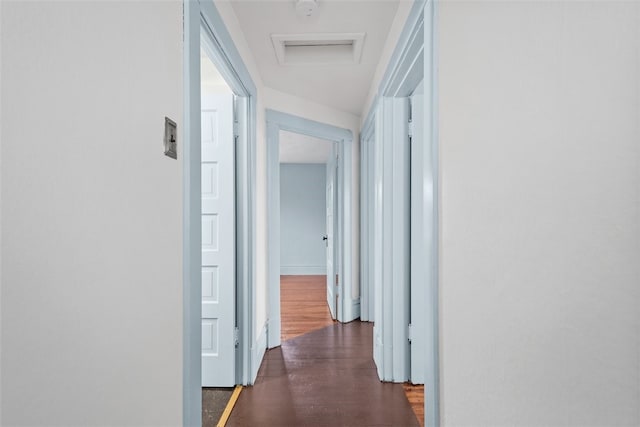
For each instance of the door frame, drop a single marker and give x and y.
(348, 308)
(416, 49)
(367, 138)
(197, 15)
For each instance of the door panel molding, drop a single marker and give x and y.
(277, 121)
(218, 241)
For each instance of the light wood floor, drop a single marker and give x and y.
(415, 396)
(303, 305)
(304, 308)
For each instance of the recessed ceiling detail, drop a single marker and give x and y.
(320, 48)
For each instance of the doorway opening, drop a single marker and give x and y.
(346, 308)
(219, 210)
(219, 136)
(308, 232)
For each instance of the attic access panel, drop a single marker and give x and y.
(315, 49)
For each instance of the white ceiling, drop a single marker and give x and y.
(297, 148)
(341, 86)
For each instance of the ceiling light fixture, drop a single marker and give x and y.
(306, 7)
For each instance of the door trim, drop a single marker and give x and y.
(367, 136)
(396, 82)
(197, 15)
(347, 309)
(431, 170)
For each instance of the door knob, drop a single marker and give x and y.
(325, 238)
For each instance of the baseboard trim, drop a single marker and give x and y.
(303, 270)
(352, 311)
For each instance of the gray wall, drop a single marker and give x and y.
(540, 250)
(91, 214)
(303, 218)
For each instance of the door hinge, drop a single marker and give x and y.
(410, 332)
(410, 128)
(236, 336)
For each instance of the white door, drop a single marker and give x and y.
(330, 205)
(218, 241)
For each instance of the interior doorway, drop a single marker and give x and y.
(308, 232)
(344, 310)
(205, 31)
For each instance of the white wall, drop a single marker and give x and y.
(303, 218)
(91, 213)
(399, 20)
(292, 104)
(539, 106)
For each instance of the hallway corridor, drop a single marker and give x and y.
(322, 377)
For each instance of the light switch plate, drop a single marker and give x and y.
(170, 138)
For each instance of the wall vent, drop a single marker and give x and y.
(316, 49)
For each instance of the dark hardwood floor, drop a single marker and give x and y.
(323, 378)
(321, 375)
